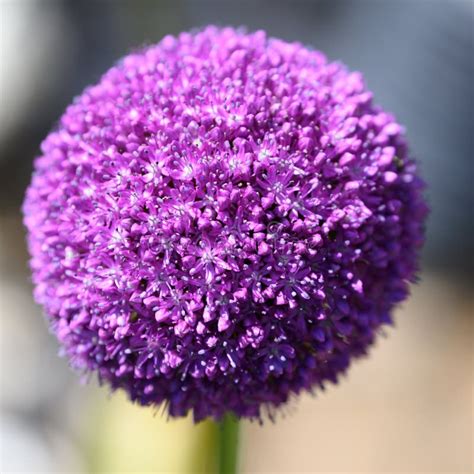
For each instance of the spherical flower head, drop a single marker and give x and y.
(224, 220)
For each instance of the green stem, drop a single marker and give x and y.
(228, 444)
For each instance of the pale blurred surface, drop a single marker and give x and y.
(406, 408)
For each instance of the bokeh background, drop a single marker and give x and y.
(407, 408)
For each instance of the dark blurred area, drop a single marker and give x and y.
(417, 57)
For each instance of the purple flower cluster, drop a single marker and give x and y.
(222, 221)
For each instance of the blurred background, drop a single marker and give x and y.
(406, 409)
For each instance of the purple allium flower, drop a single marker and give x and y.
(222, 221)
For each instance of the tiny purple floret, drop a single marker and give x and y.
(224, 220)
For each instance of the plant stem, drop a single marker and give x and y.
(228, 444)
